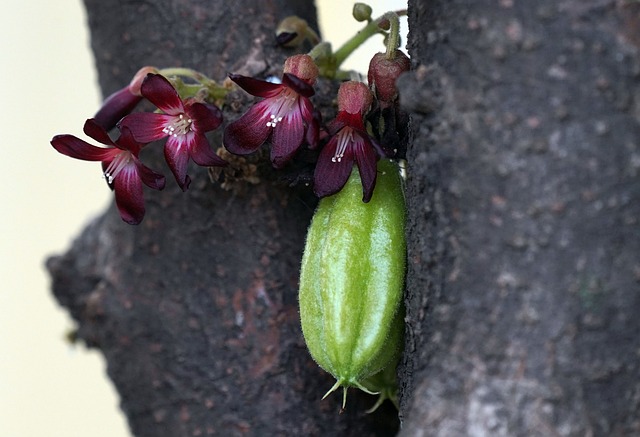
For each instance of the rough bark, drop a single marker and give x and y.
(524, 198)
(195, 309)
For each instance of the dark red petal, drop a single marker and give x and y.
(126, 141)
(249, 132)
(287, 138)
(366, 159)
(159, 91)
(176, 153)
(298, 85)
(306, 109)
(149, 177)
(94, 130)
(334, 126)
(116, 106)
(129, 197)
(329, 176)
(256, 87)
(202, 154)
(79, 149)
(313, 118)
(146, 126)
(205, 117)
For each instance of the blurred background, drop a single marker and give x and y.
(49, 387)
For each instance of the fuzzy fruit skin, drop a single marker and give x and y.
(352, 278)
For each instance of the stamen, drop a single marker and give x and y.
(180, 126)
(282, 106)
(116, 166)
(345, 137)
(274, 121)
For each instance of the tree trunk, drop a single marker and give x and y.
(524, 195)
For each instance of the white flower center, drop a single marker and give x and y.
(115, 167)
(344, 138)
(181, 126)
(281, 106)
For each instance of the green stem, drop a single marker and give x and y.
(213, 90)
(367, 32)
(218, 92)
(320, 51)
(393, 40)
(185, 72)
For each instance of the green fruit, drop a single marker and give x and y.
(352, 279)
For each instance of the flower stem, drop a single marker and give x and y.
(205, 87)
(393, 39)
(185, 72)
(367, 32)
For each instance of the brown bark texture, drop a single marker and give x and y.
(523, 193)
(523, 288)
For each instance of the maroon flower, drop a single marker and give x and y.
(183, 122)
(285, 115)
(123, 101)
(122, 169)
(349, 144)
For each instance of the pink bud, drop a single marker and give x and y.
(354, 97)
(136, 82)
(303, 67)
(383, 74)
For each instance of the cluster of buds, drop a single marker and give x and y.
(368, 124)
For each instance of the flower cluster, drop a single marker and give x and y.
(286, 118)
(184, 122)
(369, 123)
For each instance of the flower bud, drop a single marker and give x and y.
(303, 67)
(384, 24)
(136, 82)
(383, 73)
(354, 97)
(123, 101)
(362, 12)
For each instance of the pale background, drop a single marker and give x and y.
(48, 86)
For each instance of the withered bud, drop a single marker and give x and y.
(384, 24)
(292, 31)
